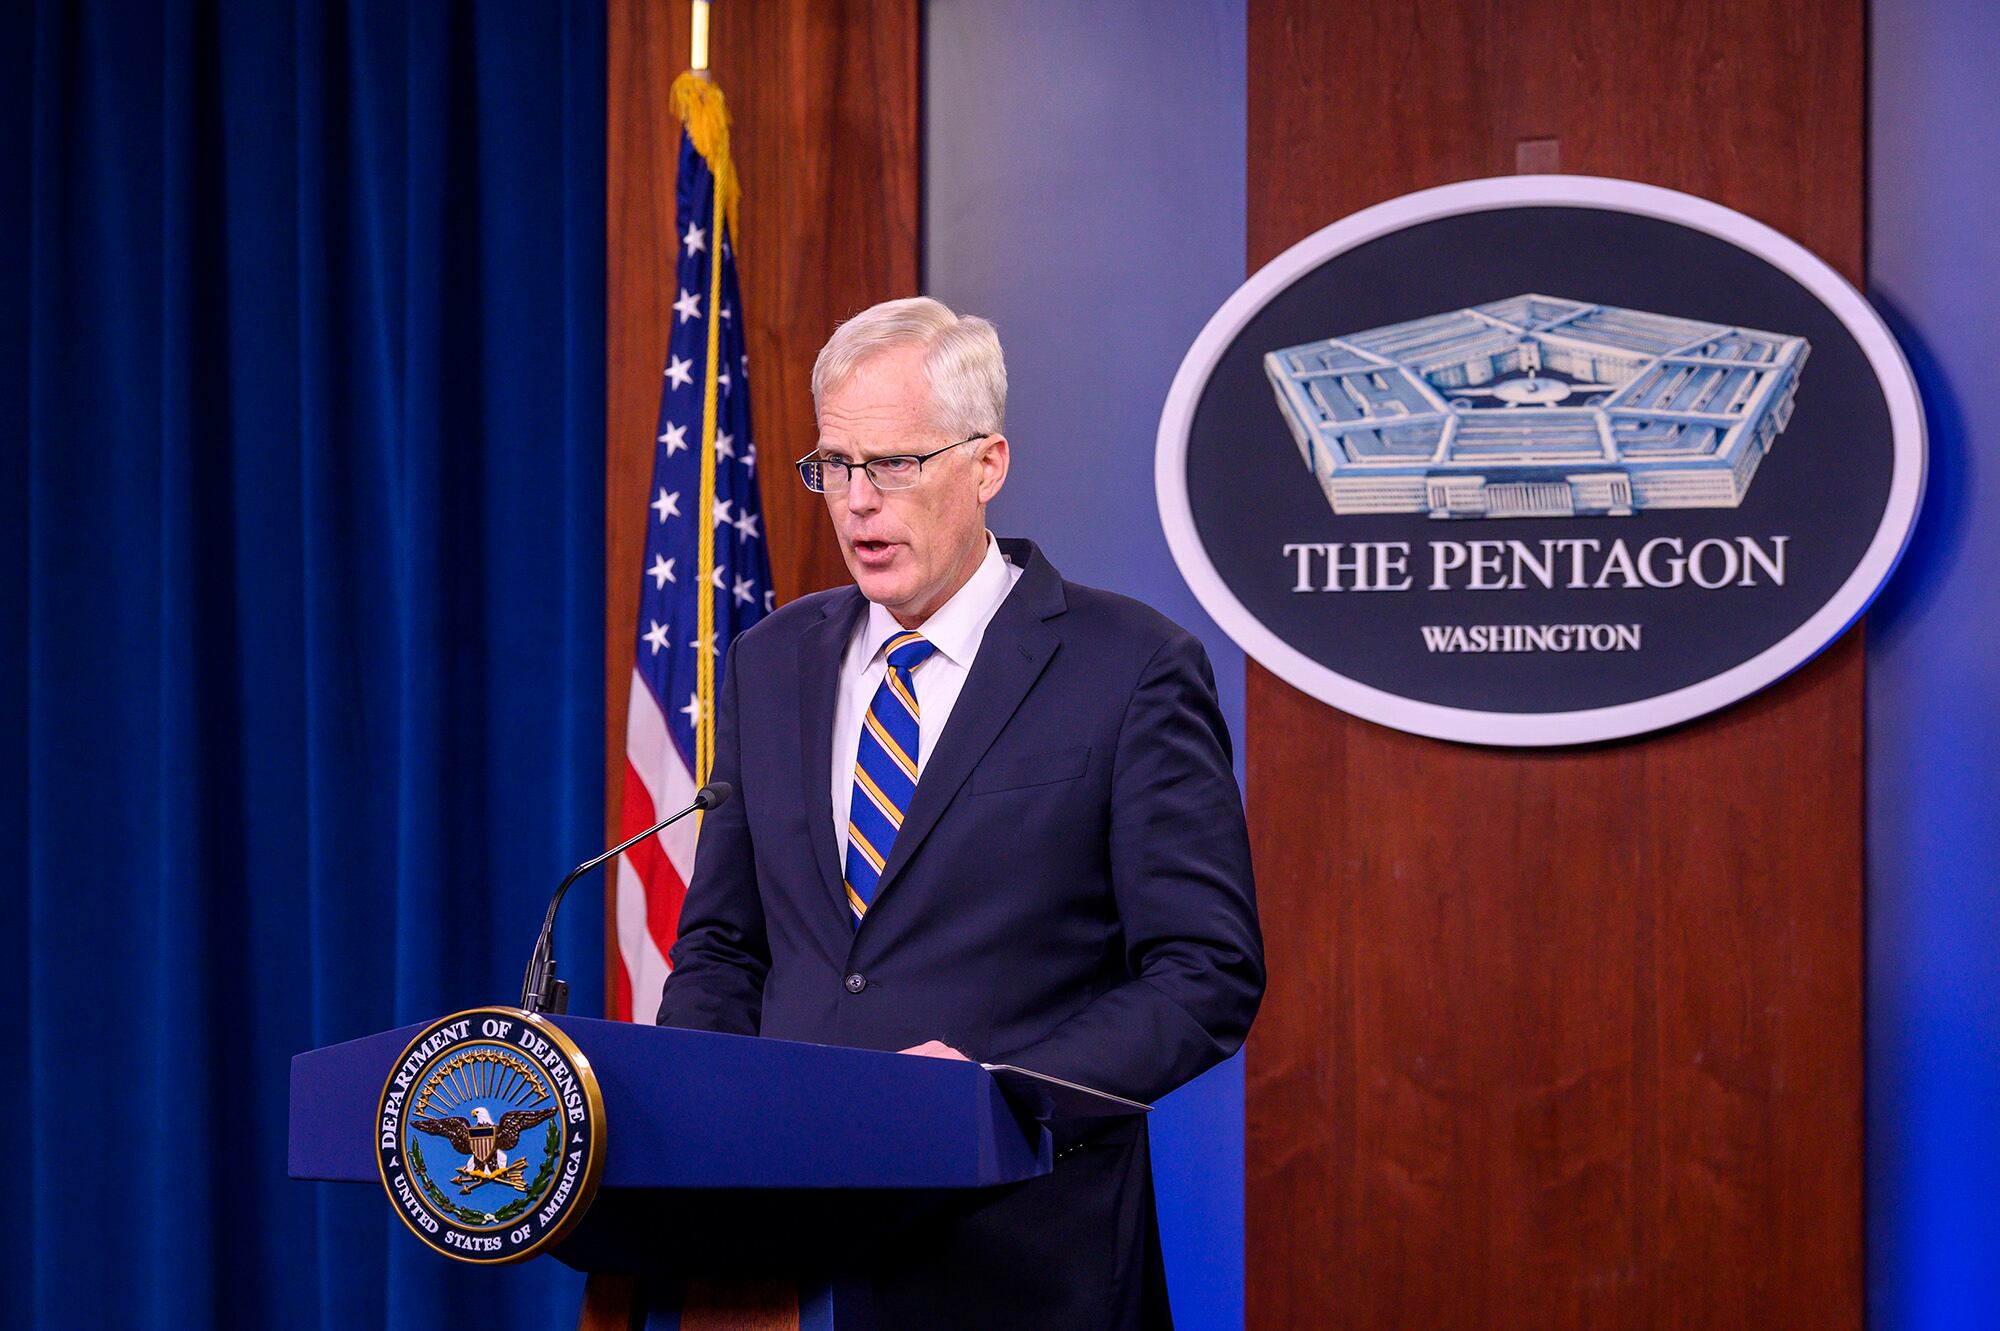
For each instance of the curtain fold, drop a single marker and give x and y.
(304, 525)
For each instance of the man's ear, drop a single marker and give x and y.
(993, 459)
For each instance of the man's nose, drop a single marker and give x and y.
(862, 496)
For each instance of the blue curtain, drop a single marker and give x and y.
(302, 514)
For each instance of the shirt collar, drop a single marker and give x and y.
(958, 625)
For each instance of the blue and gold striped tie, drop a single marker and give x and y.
(885, 771)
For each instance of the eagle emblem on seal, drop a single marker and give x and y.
(485, 1144)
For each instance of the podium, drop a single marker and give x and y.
(729, 1158)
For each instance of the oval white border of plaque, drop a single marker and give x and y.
(1885, 357)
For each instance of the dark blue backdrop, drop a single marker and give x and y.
(304, 529)
(1934, 686)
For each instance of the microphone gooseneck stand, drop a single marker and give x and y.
(541, 991)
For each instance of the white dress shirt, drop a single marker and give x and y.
(956, 630)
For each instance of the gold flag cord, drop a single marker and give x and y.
(699, 104)
(704, 744)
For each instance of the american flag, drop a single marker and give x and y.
(706, 573)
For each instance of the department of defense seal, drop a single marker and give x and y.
(490, 1135)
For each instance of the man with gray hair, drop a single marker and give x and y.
(981, 811)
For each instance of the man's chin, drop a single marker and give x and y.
(881, 586)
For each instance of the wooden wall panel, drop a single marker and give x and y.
(824, 96)
(1559, 1038)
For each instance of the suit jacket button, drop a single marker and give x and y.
(855, 983)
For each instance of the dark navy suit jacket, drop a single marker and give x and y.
(1070, 892)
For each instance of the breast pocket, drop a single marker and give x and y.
(1016, 771)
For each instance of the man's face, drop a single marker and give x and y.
(908, 550)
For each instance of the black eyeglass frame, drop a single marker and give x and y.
(808, 462)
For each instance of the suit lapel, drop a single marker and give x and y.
(819, 684)
(1016, 649)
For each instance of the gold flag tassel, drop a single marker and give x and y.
(698, 102)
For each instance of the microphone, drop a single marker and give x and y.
(541, 991)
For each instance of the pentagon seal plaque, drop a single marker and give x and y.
(1540, 460)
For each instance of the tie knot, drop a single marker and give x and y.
(907, 651)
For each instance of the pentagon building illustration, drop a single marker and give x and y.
(1537, 406)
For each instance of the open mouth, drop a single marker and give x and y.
(873, 550)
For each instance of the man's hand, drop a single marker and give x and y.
(935, 1049)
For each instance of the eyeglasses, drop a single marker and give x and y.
(897, 471)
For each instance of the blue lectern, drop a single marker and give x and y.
(730, 1158)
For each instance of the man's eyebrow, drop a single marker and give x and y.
(845, 454)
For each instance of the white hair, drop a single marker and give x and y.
(968, 375)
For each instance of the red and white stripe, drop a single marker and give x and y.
(653, 875)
